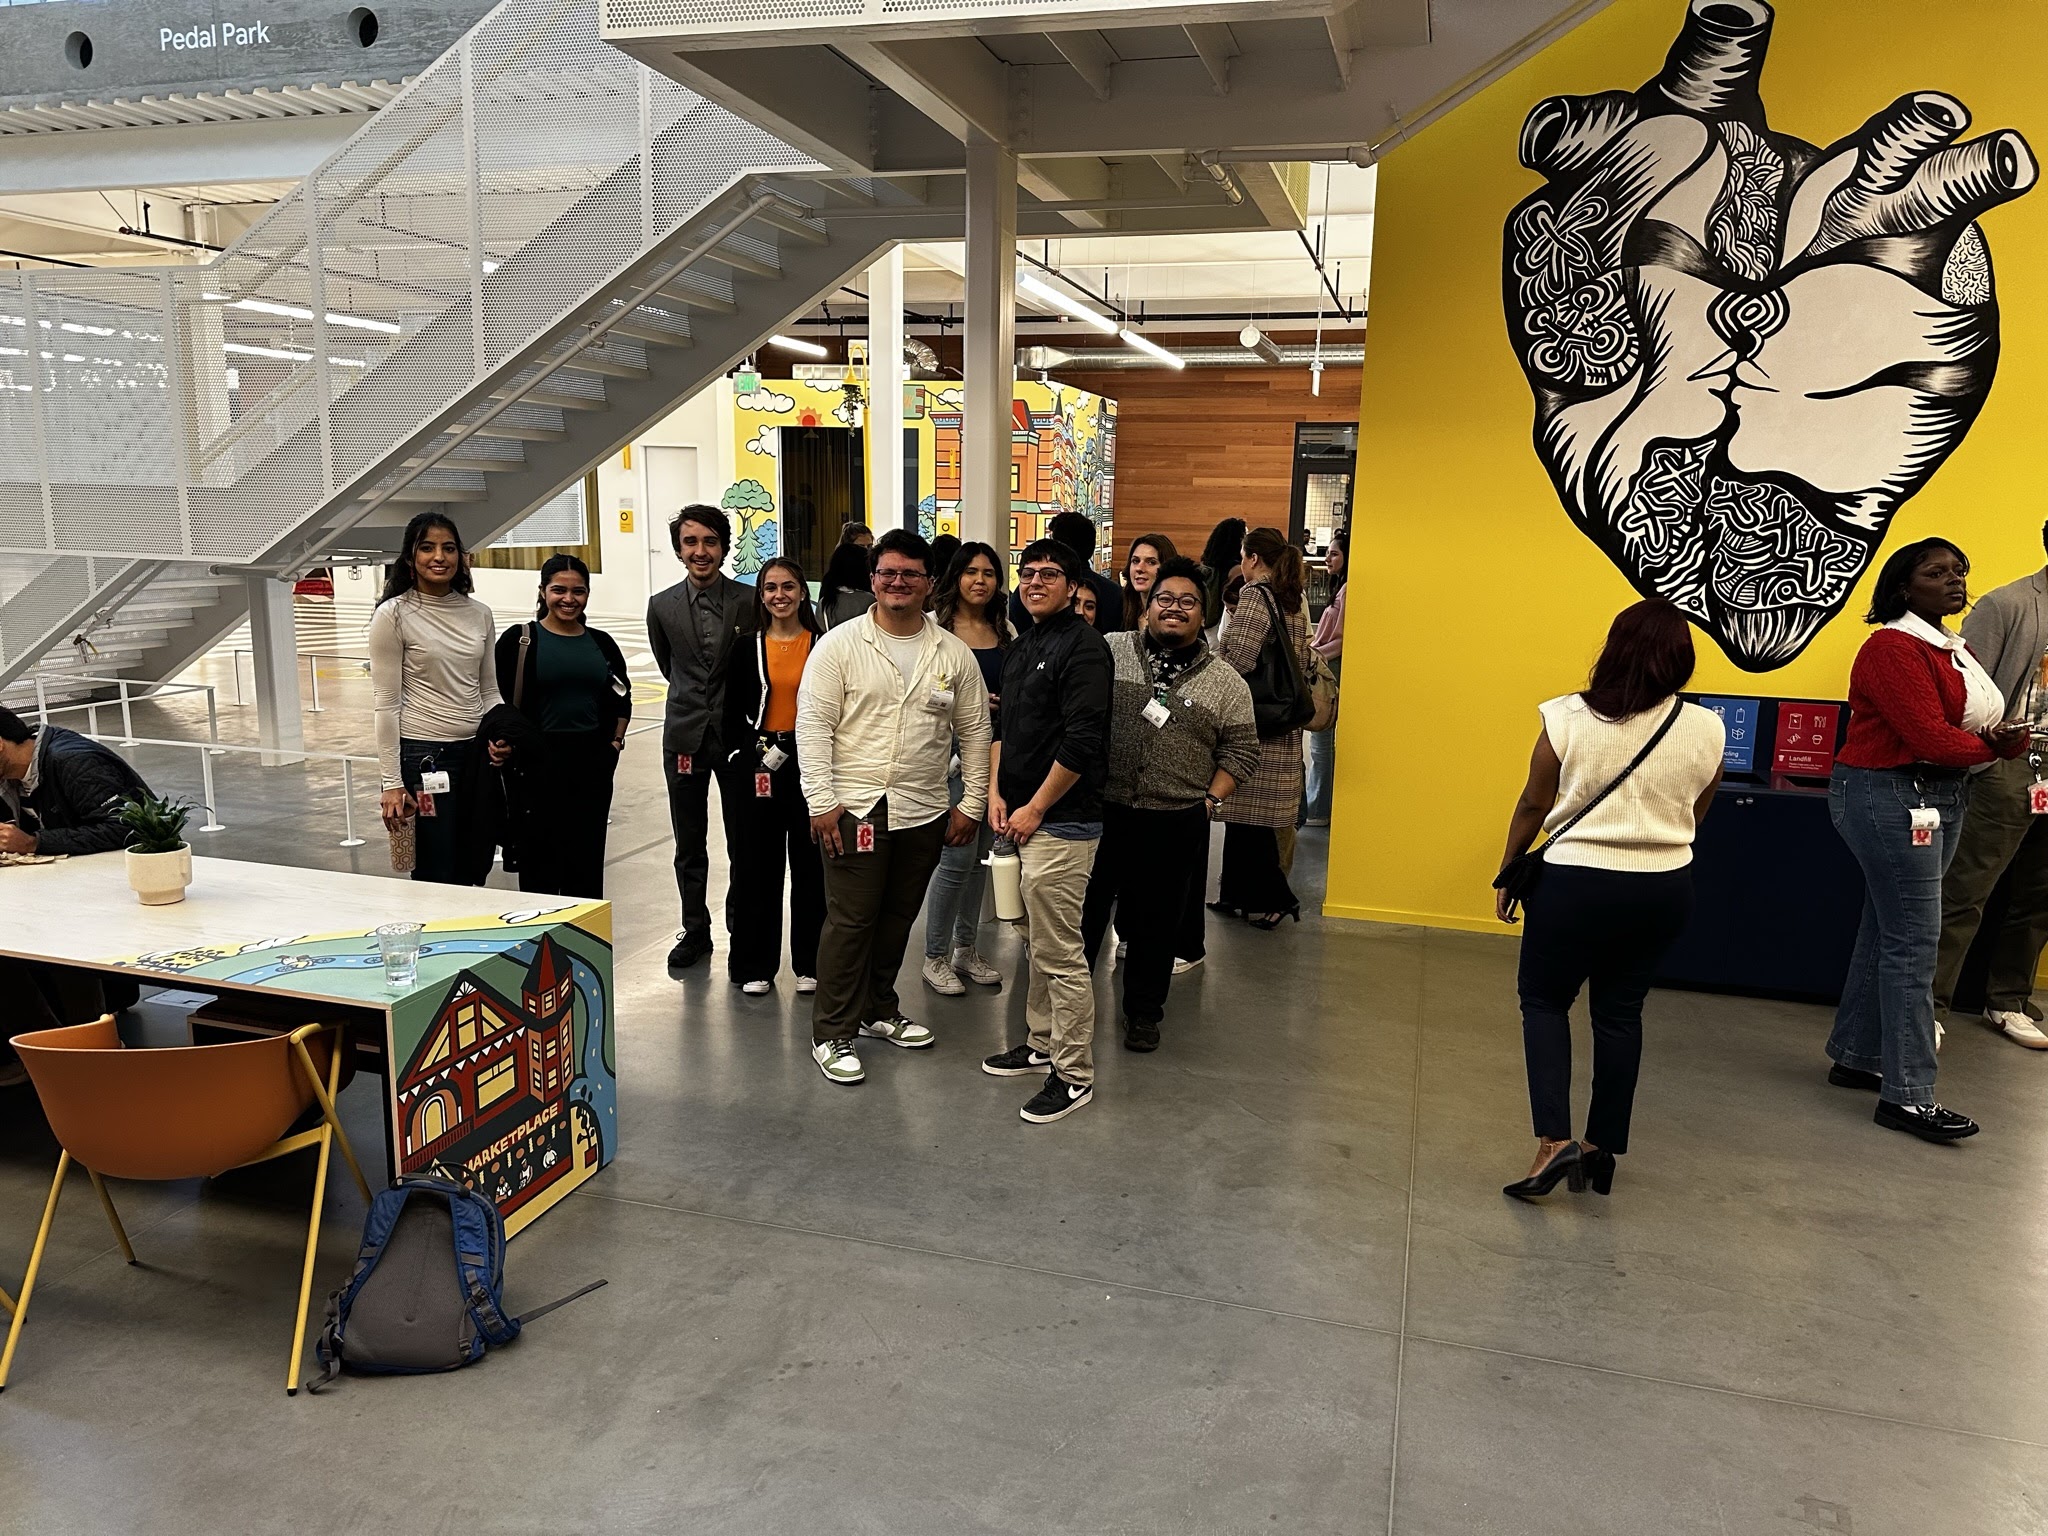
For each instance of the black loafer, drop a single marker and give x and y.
(1930, 1122)
(690, 948)
(1849, 1077)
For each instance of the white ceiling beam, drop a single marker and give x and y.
(954, 81)
(1075, 179)
(1367, 24)
(261, 150)
(810, 98)
(1091, 56)
(1215, 45)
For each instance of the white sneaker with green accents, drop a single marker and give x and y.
(899, 1031)
(836, 1059)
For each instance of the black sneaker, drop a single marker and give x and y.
(1017, 1061)
(1930, 1122)
(1849, 1077)
(1056, 1100)
(1141, 1034)
(690, 948)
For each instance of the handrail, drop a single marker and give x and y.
(208, 751)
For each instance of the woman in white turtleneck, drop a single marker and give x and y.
(433, 679)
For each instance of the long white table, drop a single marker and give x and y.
(500, 1056)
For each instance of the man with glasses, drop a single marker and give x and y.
(1048, 766)
(1182, 737)
(882, 698)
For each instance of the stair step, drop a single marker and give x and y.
(473, 463)
(427, 495)
(726, 254)
(656, 332)
(692, 289)
(555, 399)
(788, 222)
(520, 432)
(604, 367)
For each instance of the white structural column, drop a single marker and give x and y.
(885, 393)
(274, 638)
(991, 341)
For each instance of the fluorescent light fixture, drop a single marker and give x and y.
(1051, 295)
(805, 348)
(293, 312)
(1131, 338)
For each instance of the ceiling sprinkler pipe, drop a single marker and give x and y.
(1089, 359)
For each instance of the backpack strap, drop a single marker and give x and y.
(576, 1295)
(519, 674)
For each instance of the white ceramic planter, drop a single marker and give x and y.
(159, 879)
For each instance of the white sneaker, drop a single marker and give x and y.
(940, 978)
(836, 1059)
(968, 963)
(806, 984)
(907, 1033)
(757, 988)
(1122, 949)
(1182, 967)
(1938, 1033)
(2019, 1029)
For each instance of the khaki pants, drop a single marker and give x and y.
(1059, 1004)
(1998, 832)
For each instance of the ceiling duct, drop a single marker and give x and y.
(920, 359)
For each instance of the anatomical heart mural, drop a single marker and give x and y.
(1747, 352)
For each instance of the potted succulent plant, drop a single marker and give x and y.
(159, 862)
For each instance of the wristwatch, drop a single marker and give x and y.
(1215, 802)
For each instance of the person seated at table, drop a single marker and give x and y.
(59, 793)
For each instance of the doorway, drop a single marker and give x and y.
(1325, 461)
(671, 486)
(824, 485)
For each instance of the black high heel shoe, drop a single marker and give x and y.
(1599, 1166)
(1565, 1163)
(1268, 921)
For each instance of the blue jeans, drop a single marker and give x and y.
(1885, 1023)
(953, 913)
(1322, 767)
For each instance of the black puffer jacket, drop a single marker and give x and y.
(80, 789)
(1056, 691)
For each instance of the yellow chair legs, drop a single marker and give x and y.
(35, 1262)
(99, 1187)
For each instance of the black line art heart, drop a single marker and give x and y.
(1748, 352)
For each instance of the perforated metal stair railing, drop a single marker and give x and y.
(533, 218)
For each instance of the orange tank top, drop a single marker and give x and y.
(786, 660)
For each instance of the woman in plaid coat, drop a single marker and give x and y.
(1254, 886)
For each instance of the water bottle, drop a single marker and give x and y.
(1006, 879)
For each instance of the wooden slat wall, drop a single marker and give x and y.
(1197, 446)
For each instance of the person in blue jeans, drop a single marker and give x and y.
(970, 604)
(1921, 712)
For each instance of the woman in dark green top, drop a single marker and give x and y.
(570, 682)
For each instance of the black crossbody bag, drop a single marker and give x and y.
(1520, 875)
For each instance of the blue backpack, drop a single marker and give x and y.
(428, 1289)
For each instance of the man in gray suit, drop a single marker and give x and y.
(692, 628)
(2008, 629)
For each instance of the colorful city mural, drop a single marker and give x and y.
(1063, 458)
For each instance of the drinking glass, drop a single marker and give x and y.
(399, 943)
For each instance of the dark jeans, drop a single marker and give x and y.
(1885, 1022)
(1147, 864)
(773, 833)
(1253, 880)
(871, 901)
(1192, 934)
(1605, 930)
(689, 813)
(569, 790)
(444, 840)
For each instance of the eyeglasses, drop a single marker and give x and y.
(1038, 575)
(1188, 604)
(900, 578)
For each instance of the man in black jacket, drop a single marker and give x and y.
(59, 793)
(1077, 532)
(1047, 768)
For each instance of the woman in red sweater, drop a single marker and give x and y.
(1921, 711)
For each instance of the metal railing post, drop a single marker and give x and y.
(42, 702)
(348, 804)
(313, 673)
(235, 660)
(127, 716)
(213, 821)
(213, 720)
(92, 717)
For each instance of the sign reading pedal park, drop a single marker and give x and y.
(1747, 351)
(502, 1055)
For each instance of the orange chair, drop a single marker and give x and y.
(182, 1112)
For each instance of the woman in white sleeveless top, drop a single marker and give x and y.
(1616, 885)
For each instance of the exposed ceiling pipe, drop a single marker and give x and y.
(1090, 359)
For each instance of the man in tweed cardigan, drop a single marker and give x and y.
(1182, 737)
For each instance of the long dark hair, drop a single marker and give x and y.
(1288, 578)
(1134, 605)
(402, 575)
(806, 615)
(554, 566)
(846, 571)
(1888, 592)
(947, 604)
(1647, 658)
(1226, 543)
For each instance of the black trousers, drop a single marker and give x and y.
(1605, 930)
(43, 996)
(871, 900)
(1192, 940)
(1147, 864)
(568, 803)
(1253, 880)
(774, 832)
(689, 813)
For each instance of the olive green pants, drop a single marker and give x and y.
(1999, 832)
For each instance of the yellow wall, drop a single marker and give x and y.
(1472, 595)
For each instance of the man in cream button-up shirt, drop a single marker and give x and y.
(883, 700)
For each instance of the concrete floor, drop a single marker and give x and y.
(1266, 1282)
